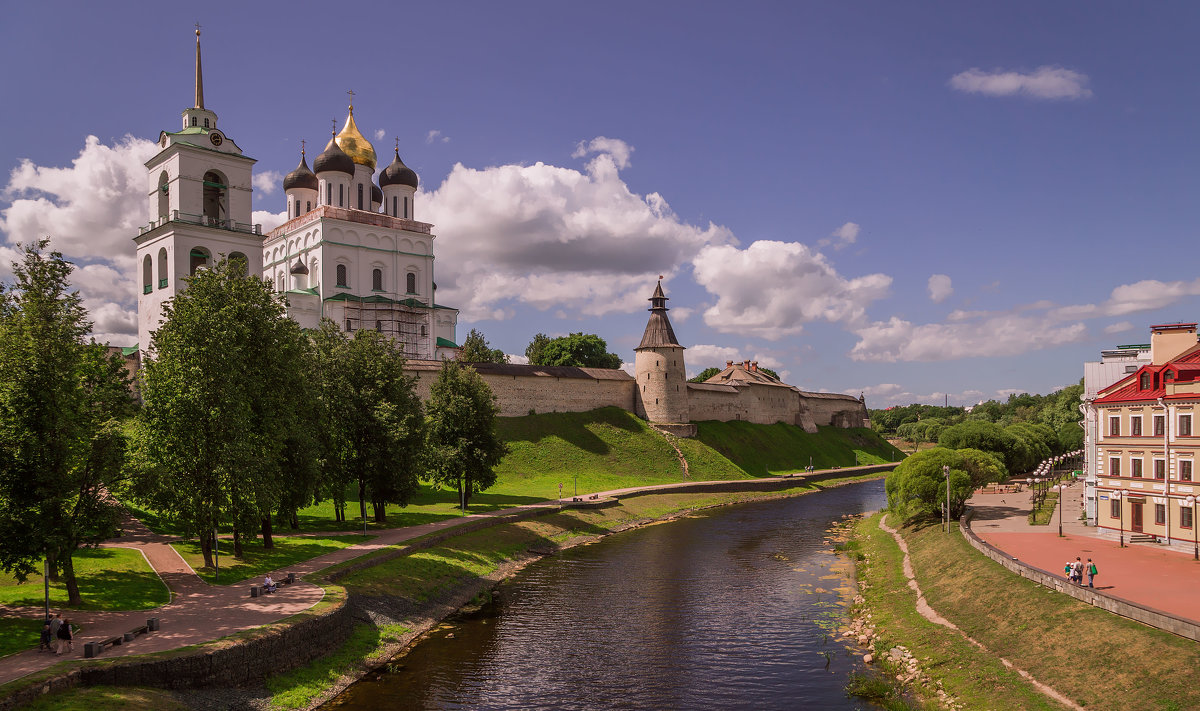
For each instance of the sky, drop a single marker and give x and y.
(922, 202)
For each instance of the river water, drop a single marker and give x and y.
(730, 608)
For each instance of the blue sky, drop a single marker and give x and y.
(915, 200)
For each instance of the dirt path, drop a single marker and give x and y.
(932, 615)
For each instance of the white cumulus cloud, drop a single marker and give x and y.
(1046, 82)
(940, 288)
(267, 181)
(842, 237)
(555, 237)
(379, 134)
(614, 148)
(1119, 327)
(771, 289)
(436, 136)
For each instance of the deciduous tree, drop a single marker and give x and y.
(475, 349)
(60, 446)
(463, 445)
(582, 350)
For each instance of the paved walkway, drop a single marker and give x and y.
(199, 612)
(1148, 574)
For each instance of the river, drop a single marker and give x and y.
(729, 608)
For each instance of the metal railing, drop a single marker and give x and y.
(204, 220)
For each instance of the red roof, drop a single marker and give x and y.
(1186, 367)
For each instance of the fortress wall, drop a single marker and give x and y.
(761, 404)
(715, 405)
(518, 394)
(840, 412)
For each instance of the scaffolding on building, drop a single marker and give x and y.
(406, 323)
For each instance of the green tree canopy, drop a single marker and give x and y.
(704, 375)
(463, 445)
(475, 349)
(224, 396)
(374, 423)
(916, 488)
(533, 352)
(582, 350)
(60, 444)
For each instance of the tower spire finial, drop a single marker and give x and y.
(199, 74)
(301, 147)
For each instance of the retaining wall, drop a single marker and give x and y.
(1106, 601)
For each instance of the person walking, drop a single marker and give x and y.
(1077, 571)
(47, 641)
(65, 637)
(55, 624)
(1091, 571)
(1069, 570)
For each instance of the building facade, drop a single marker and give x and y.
(1097, 375)
(351, 249)
(1146, 443)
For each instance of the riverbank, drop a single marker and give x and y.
(391, 594)
(1091, 657)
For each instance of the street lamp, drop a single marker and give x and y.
(946, 472)
(1121, 515)
(1191, 501)
(1062, 488)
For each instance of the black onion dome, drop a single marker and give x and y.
(333, 158)
(398, 174)
(301, 177)
(299, 267)
(376, 194)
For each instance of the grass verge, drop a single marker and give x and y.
(109, 579)
(1042, 515)
(1095, 658)
(106, 698)
(297, 688)
(256, 560)
(976, 678)
(762, 450)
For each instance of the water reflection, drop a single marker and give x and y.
(727, 609)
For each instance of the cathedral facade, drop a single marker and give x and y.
(351, 249)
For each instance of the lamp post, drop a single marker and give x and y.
(1061, 490)
(946, 472)
(1191, 501)
(1120, 515)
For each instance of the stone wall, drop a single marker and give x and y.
(1105, 601)
(518, 394)
(836, 410)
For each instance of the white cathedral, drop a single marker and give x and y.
(351, 250)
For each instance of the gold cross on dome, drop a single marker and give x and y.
(301, 146)
(197, 28)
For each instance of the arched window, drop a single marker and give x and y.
(162, 267)
(193, 120)
(164, 195)
(307, 205)
(1145, 384)
(216, 206)
(297, 208)
(328, 193)
(238, 263)
(199, 258)
(206, 123)
(406, 207)
(147, 275)
(360, 196)
(342, 279)
(341, 196)
(394, 213)
(411, 283)
(377, 279)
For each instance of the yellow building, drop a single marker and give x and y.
(1147, 442)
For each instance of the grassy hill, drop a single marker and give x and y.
(780, 448)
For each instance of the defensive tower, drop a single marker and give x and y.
(662, 394)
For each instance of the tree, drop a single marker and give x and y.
(769, 372)
(533, 352)
(373, 418)
(224, 394)
(704, 375)
(582, 350)
(916, 488)
(463, 445)
(60, 444)
(475, 349)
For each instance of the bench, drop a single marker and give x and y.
(256, 590)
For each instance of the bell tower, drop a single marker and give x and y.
(199, 204)
(662, 394)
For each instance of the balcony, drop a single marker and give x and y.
(204, 221)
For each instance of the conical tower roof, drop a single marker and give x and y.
(659, 333)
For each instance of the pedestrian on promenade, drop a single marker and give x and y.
(64, 636)
(47, 641)
(1077, 571)
(1069, 570)
(1091, 571)
(55, 624)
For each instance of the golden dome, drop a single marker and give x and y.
(354, 144)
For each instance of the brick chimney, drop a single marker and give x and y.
(728, 364)
(754, 366)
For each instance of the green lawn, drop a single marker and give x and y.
(762, 450)
(256, 561)
(109, 579)
(19, 633)
(106, 698)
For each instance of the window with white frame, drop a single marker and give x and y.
(1186, 513)
(1135, 426)
(1135, 468)
(1185, 470)
(1160, 514)
(1114, 508)
(343, 276)
(1185, 426)
(1114, 426)
(1114, 466)
(1160, 469)
(1159, 425)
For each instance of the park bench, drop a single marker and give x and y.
(91, 649)
(256, 590)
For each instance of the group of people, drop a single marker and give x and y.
(57, 635)
(1075, 569)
